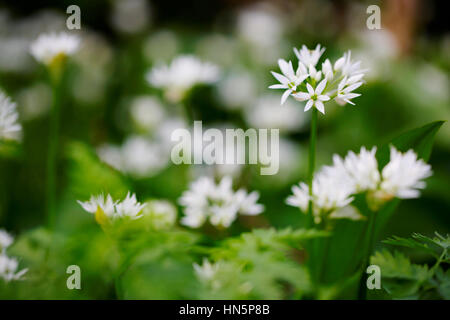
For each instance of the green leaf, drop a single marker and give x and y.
(442, 283)
(400, 277)
(420, 139)
(87, 175)
(268, 262)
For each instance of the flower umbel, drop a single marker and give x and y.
(48, 47)
(218, 203)
(335, 185)
(318, 86)
(181, 75)
(106, 210)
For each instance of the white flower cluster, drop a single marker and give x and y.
(161, 214)
(218, 203)
(9, 125)
(105, 208)
(47, 47)
(207, 273)
(182, 74)
(314, 86)
(8, 265)
(333, 186)
(139, 156)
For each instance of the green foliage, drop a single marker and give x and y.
(419, 139)
(157, 265)
(349, 237)
(433, 246)
(400, 277)
(403, 279)
(88, 176)
(266, 265)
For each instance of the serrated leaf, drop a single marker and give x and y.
(400, 277)
(413, 244)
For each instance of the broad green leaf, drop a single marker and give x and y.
(420, 139)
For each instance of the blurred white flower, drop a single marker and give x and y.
(207, 271)
(14, 56)
(267, 113)
(106, 210)
(402, 176)
(138, 156)
(339, 81)
(147, 112)
(130, 16)
(237, 90)
(129, 207)
(9, 125)
(218, 203)
(47, 47)
(161, 46)
(5, 240)
(8, 268)
(34, 101)
(182, 74)
(106, 204)
(161, 214)
(218, 48)
(260, 26)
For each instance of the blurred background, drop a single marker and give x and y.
(115, 132)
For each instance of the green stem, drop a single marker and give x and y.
(366, 258)
(313, 246)
(311, 164)
(52, 153)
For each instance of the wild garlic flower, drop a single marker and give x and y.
(47, 48)
(336, 81)
(160, 214)
(139, 156)
(8, 268)
(217, 203)
(106, 210)
(5, 240)
(402, 176)
(361, 170)
(331, 197)
(206, 271)
(333, 186)
(10, 129)
(181, 75)
(289, 80)
(309, 57)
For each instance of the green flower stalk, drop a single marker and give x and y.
(53, 50)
